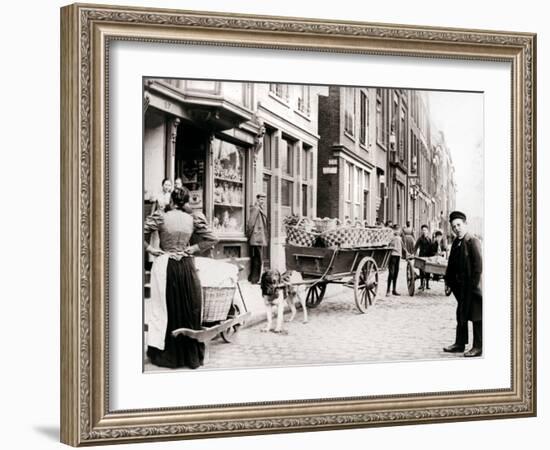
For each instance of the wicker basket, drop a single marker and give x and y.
(376, 236)
(300, 236)
(356, 237)
(342, 237)
(216, 302)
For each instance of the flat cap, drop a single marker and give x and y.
(457, 215)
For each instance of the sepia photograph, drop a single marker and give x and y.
(289, 225)
(276, 224)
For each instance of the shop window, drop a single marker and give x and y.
(229, 188)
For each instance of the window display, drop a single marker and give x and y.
(229, 195)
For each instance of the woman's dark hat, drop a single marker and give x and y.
(457, 215)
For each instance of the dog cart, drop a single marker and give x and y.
(354, 267)
(434, 266)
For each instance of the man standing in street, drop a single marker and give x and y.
(256, 232)
(424, 247)
(463, 276)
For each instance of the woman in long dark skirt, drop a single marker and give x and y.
(176, 294)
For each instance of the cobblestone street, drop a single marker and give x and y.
(394, 329)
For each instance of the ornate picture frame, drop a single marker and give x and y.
(86, 34)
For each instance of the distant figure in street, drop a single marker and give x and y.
(438, 245)
(424, 247)
(389, 224)
(256, 232)
(408, 238)
(463, 276)
(396, 245)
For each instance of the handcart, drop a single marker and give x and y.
(220, 315)
(435, 268)
(354, 267)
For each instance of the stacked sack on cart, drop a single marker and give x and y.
(329, 233)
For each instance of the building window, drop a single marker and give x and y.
(248, 95)
(305, 163)
(395, 124)
(348, 182)
(287, 157)
(286, 193)
(349, 110)
(402, 135)
(366, 199)
(357, 189)
(364, 107)
(279, 90)
(268, 149)
(211, 87)
(304, 200)
(379, 117)
(304, 103)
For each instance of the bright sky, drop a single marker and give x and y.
(460, 116)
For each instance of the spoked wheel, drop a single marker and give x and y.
(228, 335)
(315, 294)
(366, 284)
(411, 277)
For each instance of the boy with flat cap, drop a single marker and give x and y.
(463, 276)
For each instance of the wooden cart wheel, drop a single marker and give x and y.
(228, 335)
(315, 294)
(411, 277)
(366, 284)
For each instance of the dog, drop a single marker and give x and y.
(277, 290)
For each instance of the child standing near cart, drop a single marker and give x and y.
(396, 245)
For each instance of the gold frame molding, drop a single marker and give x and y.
(86, 31)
